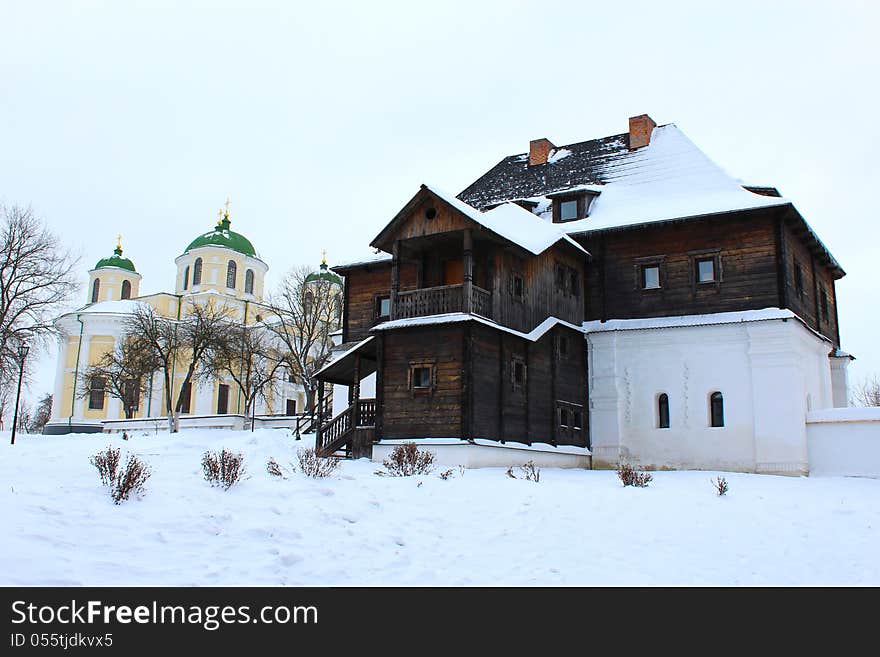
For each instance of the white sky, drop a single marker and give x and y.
(320, 120)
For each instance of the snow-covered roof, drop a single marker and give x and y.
(121, 307)
(668, 179)
(512, 222)
(450, 318)
(343, 354)
(370, 259)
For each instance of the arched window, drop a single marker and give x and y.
(249, 281)
(126, 290)
(186, 277)
(96, 289)
(230, 275)
(663, 411)
(197, 272)
(309, 299)
(716, 409)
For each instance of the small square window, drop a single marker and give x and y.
(568, 210)
(421, 378)
(706, 270)
(651, 277)
(576, 419)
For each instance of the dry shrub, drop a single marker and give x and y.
(106, 462)
(446, 474)
(273, 468)
(312, 465)
(407, 459)
(131, 479)
(223, 469)
(121, 483)
(630, 476)
(530, 472)
(721, 486)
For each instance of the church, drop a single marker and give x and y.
(617, 299)
(220, 265)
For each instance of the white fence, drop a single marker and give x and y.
(844, 442)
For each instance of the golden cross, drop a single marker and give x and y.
(227, 205)
(324, 255)
(119, 241)
(219, 216)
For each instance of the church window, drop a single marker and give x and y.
(249, 281)
(96, 289)
(197, 272)
(96, 392)
(126, 290)
(230, 275)
(716, 409)
(663, 411)
(186, 277)
(307, 303)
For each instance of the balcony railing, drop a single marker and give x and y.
(440, 300)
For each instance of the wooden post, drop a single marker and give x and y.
(380, 392)
(356, 392)
(395, 277)
(319, 437)
(468, 261)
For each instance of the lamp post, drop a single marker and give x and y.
(22, 354)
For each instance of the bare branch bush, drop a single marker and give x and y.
(867, 393)
(529, 471)
(223, 469)
(274, 468)
(312, 465)
(630, 476)
(721, 485)
(131, 479)
(407, 459)
(106, 462)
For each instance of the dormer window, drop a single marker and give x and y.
(568, 210)
(571, 206)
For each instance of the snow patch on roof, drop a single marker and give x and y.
(449, 318)
(121, 307)
(513, 223)
(596, 326)
(558, 154)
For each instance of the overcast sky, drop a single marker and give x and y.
(321, 120)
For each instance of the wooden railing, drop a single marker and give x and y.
(333, 435)
(440, 300)
(366, 416)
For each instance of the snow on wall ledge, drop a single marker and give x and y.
(844, 442)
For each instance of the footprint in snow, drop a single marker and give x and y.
(290, 559)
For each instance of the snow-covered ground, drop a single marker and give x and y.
(483, 528)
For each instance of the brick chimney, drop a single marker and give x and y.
(640, 128)
(539, 151)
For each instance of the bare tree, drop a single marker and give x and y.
(37, 278)
(125, 372)
(42, 414)
(867, 393)
(245, 354)
(186, 341)
(304, 314)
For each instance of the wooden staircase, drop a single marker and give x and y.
(352, 430)
(308, 422)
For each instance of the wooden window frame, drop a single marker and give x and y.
(639, 267)
(521, 297)
(695, 257)
(583, 200)
(377, 317)
(431, 366)
(572, 413)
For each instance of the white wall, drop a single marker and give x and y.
(844, 441)
(766, 370)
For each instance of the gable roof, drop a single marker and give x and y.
(508, 221)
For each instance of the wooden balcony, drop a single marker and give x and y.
(441, 300)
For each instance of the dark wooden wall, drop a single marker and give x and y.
(815, 278)
(408, 415)
(748, 267)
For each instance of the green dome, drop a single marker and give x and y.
(222, 236)
(324, 275)
(116, 260)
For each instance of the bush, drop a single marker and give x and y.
(721, 486)
(530, 472)
(630, 476)
(273, 468)
(223, 469)
(407, 459)
(106, 462)
(312, 465)
(132, 479)
(121, 483)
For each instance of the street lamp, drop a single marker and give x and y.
(22, 354)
